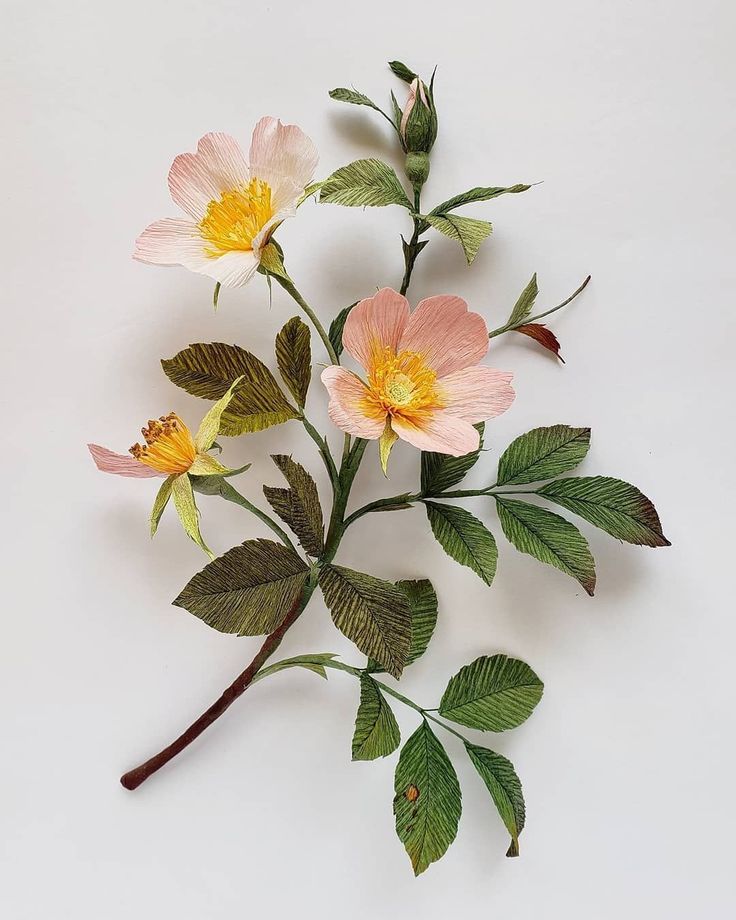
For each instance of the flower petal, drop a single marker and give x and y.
(348, 408)
(282, 152)
(446, 333)
(172, 242)
(121, 464)
(218, 166)
(477, 393)
(442, 432)
(375, 324)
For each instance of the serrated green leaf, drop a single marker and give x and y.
(492, 694)
(525, 303)
(294, 358)
(299, 505)
(364, 183)
(402, 71)
(161, 501)
(542, 453)
(611, 504)
(468, 231)
(505, 787)
(477, 194)
(372, 613)
(464, 538)
(336, 327)
(353, 97)
(247, 591)
(208, 371)
(423, 606)
(549, 538)
(314, 663)
(376, 731)
(441, 471)
(427, 799)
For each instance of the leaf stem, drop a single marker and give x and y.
(324, 449)
(288, 285)
(538, 316)
(232, 495)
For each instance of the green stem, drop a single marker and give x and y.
(288, 285)
(232, 495)
(380, 503)
(538, 316)
(324, 449)
(412, 250)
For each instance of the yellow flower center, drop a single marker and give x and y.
(169, 446)
(402, 384)
(234, 220)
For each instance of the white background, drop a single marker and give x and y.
(626, 111)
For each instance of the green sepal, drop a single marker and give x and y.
(161, 501)
(186, 508)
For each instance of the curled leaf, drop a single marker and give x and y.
(540, 333)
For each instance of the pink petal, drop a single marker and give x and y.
(442, 432)
(450, 337)
(218, 166)
(121, 464)
(347, 407)
(281, 153)
(171, 242)
(375, 324)
(477, 393)
(234, 269)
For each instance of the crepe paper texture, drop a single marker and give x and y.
(389, 373)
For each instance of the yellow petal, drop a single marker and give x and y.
(186, 508)
(210, 426)
(385, 443)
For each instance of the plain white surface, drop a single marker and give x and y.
(626, 111)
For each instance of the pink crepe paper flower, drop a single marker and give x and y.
(424, 383)
(233, 205)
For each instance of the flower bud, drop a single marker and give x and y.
(418, 128)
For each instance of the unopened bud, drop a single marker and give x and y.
(418, 126)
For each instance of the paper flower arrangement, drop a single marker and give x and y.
(417, 374)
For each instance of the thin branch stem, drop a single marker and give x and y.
(288, 285)
(538, 316)
(324, 449)
(232, 495)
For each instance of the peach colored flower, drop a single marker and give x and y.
(233, 205)
(423, 383)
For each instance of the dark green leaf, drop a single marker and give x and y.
(502, 782)
(336, 327)
(364, 183)
(525, 303)
(299, 505)
(465, 538)
(376, 732)
(372, 613)
(402, 71)
(247, 591)
(477, 194)
(611, 504)
(423, 606)
(549, 538)
(441, 471)
(209, 370)
(294, 358)
(468, 231)
(427, 800)
(492, 694)
(542, 453)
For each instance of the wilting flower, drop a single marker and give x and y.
(423, 381)
(233, 205)
(171, 451)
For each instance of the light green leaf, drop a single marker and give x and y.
(376, 732)
(525, 303)
(505, 787)
(611, 504)
(427, 800)
(465, 538)
(161, 501)
(299, 505)
(441, 471)
(210, 425)
(543, 453)
(208, 371)
(492, 694)
(477, 194)
(353, 97)
(549, 538)
(468, 231)
(314, 663)
(423, 607)
(364, 183)
(294, 358)
(372, 613)
(249, 590)
(186, 508)
(336, 327)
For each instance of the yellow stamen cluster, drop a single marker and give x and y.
(236, 218)
(169, 446)
(402, 384)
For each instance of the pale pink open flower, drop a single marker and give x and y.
(424, 383)
(232, 205)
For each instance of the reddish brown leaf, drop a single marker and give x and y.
(540, 333)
